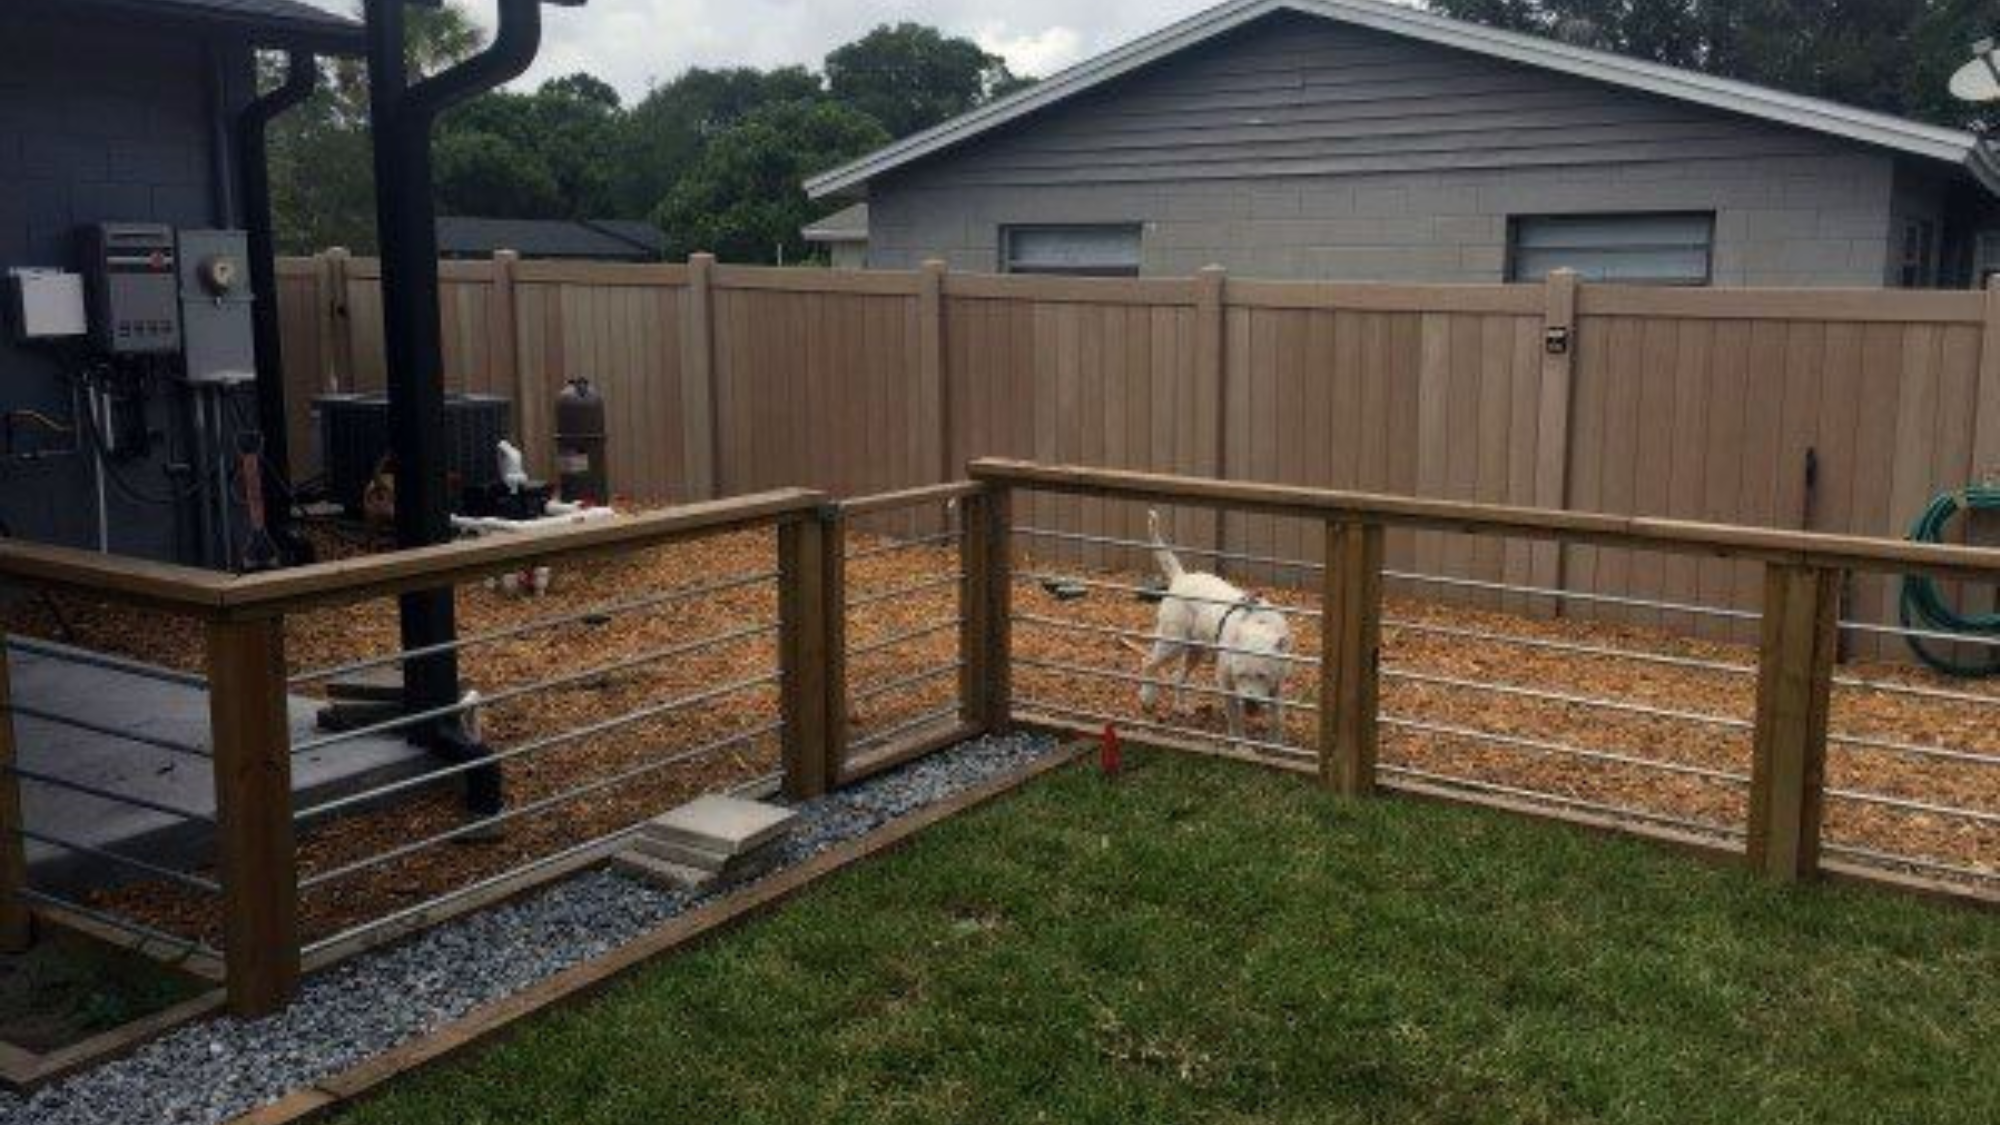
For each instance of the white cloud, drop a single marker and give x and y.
(1038, 53)
(633, 44)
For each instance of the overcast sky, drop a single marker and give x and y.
(634, 43)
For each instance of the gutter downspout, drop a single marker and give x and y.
(254, 187)
(406, 221)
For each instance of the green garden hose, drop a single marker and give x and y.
(1923, 605)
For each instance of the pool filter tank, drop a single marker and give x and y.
(580, 468)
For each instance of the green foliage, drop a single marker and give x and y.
(1205, 941)
(488, 175)
(663, 136)
(910, 77)
(1894, 56)
(743, 199)
(561, 137)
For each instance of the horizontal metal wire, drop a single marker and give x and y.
(196, 882)
(1273, 749)
(905, 545)
(861, 695)
(533, 807)
(928, 718)
(1905, 804)
(460, 894)
(908, 591)
(1129, 678)
(1920, 634)
(1040, 621)
(1916, 692)
(138, 738)
(1561, 749)
(1177, 548)
(1400, 576)
(26, 774)
(1033, 577)
(508, 695)
(91, 658)
(1941, 753)
(540, 624)
(903, 637)
(136, 929)
(1517, 691)
(1578, 649)
(534, 746)
(1553, 594)
(1577, 804)
(1870, 855)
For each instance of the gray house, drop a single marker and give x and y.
(1358, 140)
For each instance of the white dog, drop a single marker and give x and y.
(1201, 613)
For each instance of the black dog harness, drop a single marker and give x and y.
(1249, 604)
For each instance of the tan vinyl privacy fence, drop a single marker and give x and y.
(1706, 404)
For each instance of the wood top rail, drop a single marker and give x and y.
(208, 594)
(1721, 540)
(910, 498)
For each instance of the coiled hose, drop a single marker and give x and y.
(1924, 607)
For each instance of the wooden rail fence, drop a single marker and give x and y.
(259, 877)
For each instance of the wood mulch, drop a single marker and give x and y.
(321, 639)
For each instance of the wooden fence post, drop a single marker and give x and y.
(337, 323)
(701, 465)
(932, 361)
(1350, 657)
(834, 521)
(251, 730)
(17, 930)
(804, 603)
(1559, 342)
(986, 610)
(1794, 685)
(1211, 362)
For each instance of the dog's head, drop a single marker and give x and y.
(1259, 669)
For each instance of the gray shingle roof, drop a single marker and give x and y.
(614, 240)
(271, 22)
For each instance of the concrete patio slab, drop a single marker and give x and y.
(160, 705)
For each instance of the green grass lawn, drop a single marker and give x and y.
(1209, 942)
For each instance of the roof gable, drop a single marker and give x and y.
(1758, 102)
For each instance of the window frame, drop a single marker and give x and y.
(1136, 230)
(1515, 224)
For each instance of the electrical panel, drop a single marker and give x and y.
(133, 291)
(45, 304)
(218, 337)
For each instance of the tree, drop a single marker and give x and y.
(663, 136)
(489, 176)
(322, 174)
(1895, 56)
(743, 200)
(910, 77)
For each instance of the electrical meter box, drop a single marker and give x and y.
(133, 293)
(218, 333)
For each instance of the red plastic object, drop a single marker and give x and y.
(1111, 757)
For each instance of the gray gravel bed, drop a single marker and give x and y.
(212, 1071)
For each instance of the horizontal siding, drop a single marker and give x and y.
(1293, 95)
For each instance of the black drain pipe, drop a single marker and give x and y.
(406, 226)
(254, 185)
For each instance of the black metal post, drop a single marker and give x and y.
(254, 183)
(406, 226)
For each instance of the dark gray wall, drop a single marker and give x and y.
(1301, 148)
(101, 121)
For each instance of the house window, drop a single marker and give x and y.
(1076, 251)
(1651, 249)
(1917, 267)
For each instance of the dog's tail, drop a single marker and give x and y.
(1162, 554)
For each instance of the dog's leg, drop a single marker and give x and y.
(1189, 659)
(1278, 718)
(1164, 652)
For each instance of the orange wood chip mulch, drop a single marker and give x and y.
(1709, 760)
